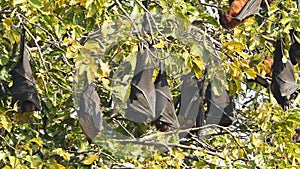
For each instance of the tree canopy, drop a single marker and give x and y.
(69, 42)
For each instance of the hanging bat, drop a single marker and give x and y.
(220, 108)
(190, 103)
(150, 102)
(239, 11)
(24, 90)
(283, 84)
(141, 102)
(164, 107)
(90, 113)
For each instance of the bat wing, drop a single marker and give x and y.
(90, 113)
(283, 80)
(24, 88)
(164, 107)
(251, 7)
(189, 102)
(141, 102)
(283, 73)
(220, 107)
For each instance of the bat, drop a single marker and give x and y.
(191, 102)
(141, 102)
(90, 112)
(220, 108)
(164, 107)
(283, 84)
(24, 89)
(150, 102)
(239, 11)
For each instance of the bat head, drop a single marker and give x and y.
(222, 19)
(28, 106)
(227, 21)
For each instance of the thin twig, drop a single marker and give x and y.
(7, 143)
(127, 15)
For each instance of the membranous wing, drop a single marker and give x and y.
(251, 7)
(141, 102)
(164, 107)
(90, 113)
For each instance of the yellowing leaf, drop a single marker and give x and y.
(256, 141)
(5, 122)
(160, 45)
(250, 72)
(62, 153)
(37, 141)
(90, 159)
(234, 46)
(104, 69)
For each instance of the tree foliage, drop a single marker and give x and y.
(190, 38)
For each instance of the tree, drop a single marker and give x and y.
(67, 38)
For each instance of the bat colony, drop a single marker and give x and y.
(152, 102)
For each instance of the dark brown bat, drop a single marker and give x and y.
(220, 108)
(24, 89)
(141, 102)
(283, 81)
(90, 113)
(164, 107)
(239, 11)
(150, 102)
(191, 113)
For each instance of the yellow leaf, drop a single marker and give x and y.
(160, 45)
(90, 159)
(5, 122)
(256, 141)
(234, 46)
(104, 68)
(37, 141)
(250, 72)
(62, 153)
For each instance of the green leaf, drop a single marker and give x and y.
(36, 3)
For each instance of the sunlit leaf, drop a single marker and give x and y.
(63, 153)
(250, 72)
(90, 159)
